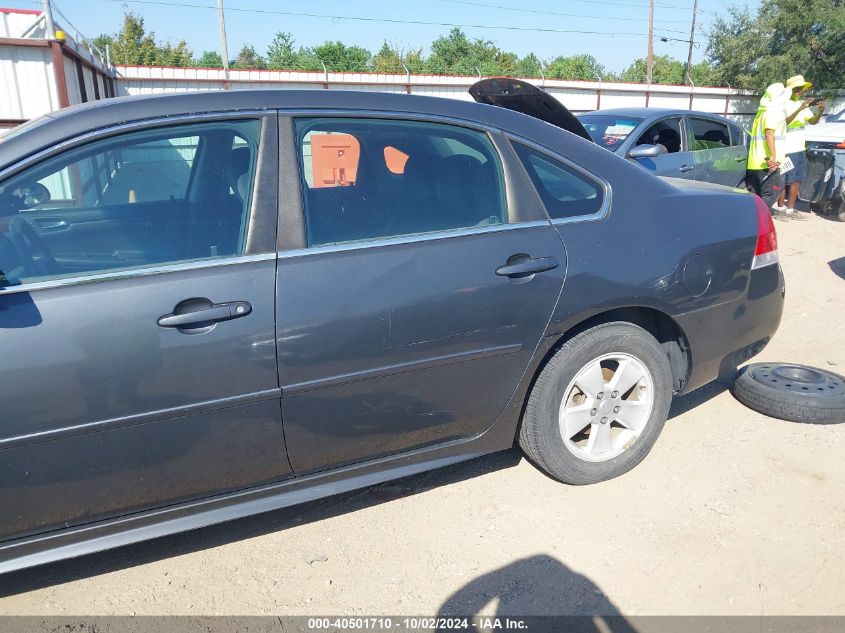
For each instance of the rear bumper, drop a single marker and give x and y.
(723, 337)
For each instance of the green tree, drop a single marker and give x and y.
(208, 59)
(387, 60)
(783, 38)
(338, 57)
(281, 54)
(103, 41)
(666, 71)
(529, 66)
(582, 67)
(178, 55)
(248, 58)
(133, 45)
(456, 54)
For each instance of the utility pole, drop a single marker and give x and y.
(223, 48)
(691, 40)
(48, 20)
(650, 58)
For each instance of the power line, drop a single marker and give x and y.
(384, 20)
(558, 13)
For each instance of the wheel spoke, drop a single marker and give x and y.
(633, 415)
(591, 380)
(600, 440)
(575, 419)
(627, 375)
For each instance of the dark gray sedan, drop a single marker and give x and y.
(678, 143)
(218, 304)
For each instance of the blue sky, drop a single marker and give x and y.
(256, 21)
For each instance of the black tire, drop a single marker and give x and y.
(797, 393)
(539, 434)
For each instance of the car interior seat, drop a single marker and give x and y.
(670, 139)
(715, 138)
(463, 192)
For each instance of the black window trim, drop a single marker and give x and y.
(603, 184)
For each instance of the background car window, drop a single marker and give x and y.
(708, 134)
(609, 131)
(739, 137)
(565, 192)
(666, 132)
(150, 197)
(368, 179)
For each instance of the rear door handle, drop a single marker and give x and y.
(741, 159)
(685, 168)
(523, 266)
(211, 314)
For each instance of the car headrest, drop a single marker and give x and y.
(670, 139)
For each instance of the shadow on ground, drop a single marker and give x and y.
(682, 404)
(249, 527)
(538, 586)
(838, 267)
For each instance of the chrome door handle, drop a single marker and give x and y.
(685, 168)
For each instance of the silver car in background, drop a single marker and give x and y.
(677, 143)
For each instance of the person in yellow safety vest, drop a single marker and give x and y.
(798, 117)
(766, 151)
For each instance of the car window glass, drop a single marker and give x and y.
(708, 134)
(370, 179)
(149, 197)
(666, 132)
(395, 160)
(609, 131)
(738, 136)
(565, 192)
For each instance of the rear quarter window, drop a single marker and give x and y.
(565, 192)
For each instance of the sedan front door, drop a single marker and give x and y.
(137, 324)
(670, 133)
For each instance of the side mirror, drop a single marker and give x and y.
(33, 194)
(647, 151)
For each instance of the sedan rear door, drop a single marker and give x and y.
(422, 288)
(717, 157)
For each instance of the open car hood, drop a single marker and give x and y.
(521, 96)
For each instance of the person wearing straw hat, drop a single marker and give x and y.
(798, 116)
(766, 149)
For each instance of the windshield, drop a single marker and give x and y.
(607, 130)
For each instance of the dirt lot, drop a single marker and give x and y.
(732, 513)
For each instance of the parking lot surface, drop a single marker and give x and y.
(732, 513)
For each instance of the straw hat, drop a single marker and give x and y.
(798, 82)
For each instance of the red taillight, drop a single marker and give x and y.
(766, 252)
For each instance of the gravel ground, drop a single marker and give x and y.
(732, 513)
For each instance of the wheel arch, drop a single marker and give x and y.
(660, 325)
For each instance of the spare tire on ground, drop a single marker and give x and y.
(792, 392)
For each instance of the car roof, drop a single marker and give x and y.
(649, 113)
(70, 122)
